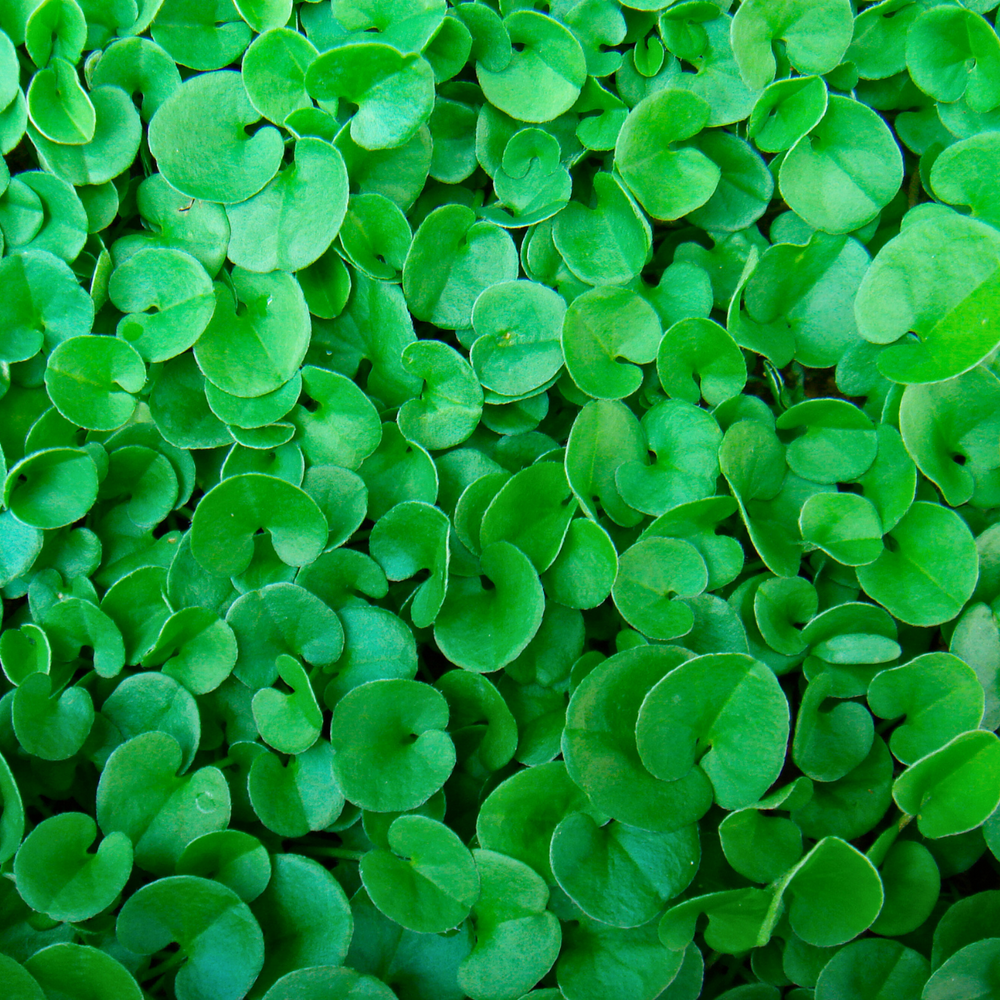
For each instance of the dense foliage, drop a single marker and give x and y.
(499, 499)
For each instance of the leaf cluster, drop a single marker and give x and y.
(499, 499)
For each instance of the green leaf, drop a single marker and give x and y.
(759, 847)
(685, 442)
(274, 72)
(533, 511)
(337, 424)
(233, 511)
(138, 66)
(59, 106)
(454, 258)
(600, 961)
(928, 569)
(231, 857)
(786, 111)
(815, 36)
(828, 176)
(258, 334)
(518, 346)
(141, 795)
(516, 938)
(283, 619)
(220, 940)
(545, 794)
(168, 300)
(451, 401)
(298, 798)
(972, 968)
(17, 982)
(194, 647)
(938, 696)
(427, 881)
(950, 315)
(291, 942)
(963, 175)
(667, 180)
(376, 235)
(952, 789)
(545, 73)
(830, 740)
(484, 629)
(736, 920)
(93, 381)
(832, 895)
(799, 301)
(599, 744)
(698, 346)
(873, 968)
(301, 209)
(653, 577)
(394, 91)
(699, 705)
(945, 427)
(912, 883)
(328, 982)
(55, 28)
(951, 54)
(607, 243)
(77, 970)
(52, 488)
(399, 725)
(56, 874)
(601, 327)
(153, 702)
(604, 436)
(51, 724)
(231, 165)
(620, 875)
(582, 575)
(44, 304)
(290, 723)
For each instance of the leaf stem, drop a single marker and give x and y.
(334, 852)
(159, 970)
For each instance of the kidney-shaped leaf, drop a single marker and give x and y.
(57, 875)
(426, 881)
(938, 697)
(954, 789)
(667, 181)
(832, 895)
(229, 165)
(217, 934)
(517, 938)
(141, 794)
(929, 567)
(93, 381)
(230, 514)
(620, 875)
(481, 629)
(392, 751)
(695, 717)
(940, 280)
(599, 744)
(394, 91)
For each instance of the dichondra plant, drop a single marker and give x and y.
(499, 499)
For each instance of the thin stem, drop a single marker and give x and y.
(335, 852)
(158, 971)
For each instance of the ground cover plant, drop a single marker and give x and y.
(499, 499)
